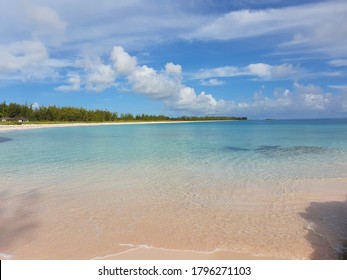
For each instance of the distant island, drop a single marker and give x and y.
(19, 113)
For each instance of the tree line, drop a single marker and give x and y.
(74, 114)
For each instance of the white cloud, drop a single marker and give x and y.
(21, 55)
(212, 82)
(188, 100)
(269, 72)
(31, 21)
(171, 68)
(122, 61)
(340, 87)
(133, 24)
(91, 74)
(240, 24)
(338, 62)
(302, 101)
(47, 18)
(26, 60)
(138, 23)
(320, 26)
(312, 97)
(101, 77)
(284, 71)
(48, 26)
(74, 83)
(258, 70)
(28, 33)
(226, 71)
(36, 106)
(165, 85)
(148, 81)
(97, 75)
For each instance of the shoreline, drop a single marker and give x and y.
(15, 127)
(144, 252)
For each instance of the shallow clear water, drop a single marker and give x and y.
(240, 186)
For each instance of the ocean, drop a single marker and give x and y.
(273, 188)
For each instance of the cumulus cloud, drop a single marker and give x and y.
(100, 78)
(188, 100)
(91, 75)
(21, 55)
(259, 70)
(165, 85)
(174, 69)
(97, 75)
(312, 97)
(74, 83)
(26, 60)
(123, 63)
(302, 100)
(148, 81)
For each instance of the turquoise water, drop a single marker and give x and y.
(283, 149)
(255, 162)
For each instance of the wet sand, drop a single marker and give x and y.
(101, 223)
(148, 253)
(10, 127)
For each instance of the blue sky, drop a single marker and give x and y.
(261, 59)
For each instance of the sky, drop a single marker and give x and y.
(254, 58)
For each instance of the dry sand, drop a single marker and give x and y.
(6, 128)
(36, 126)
